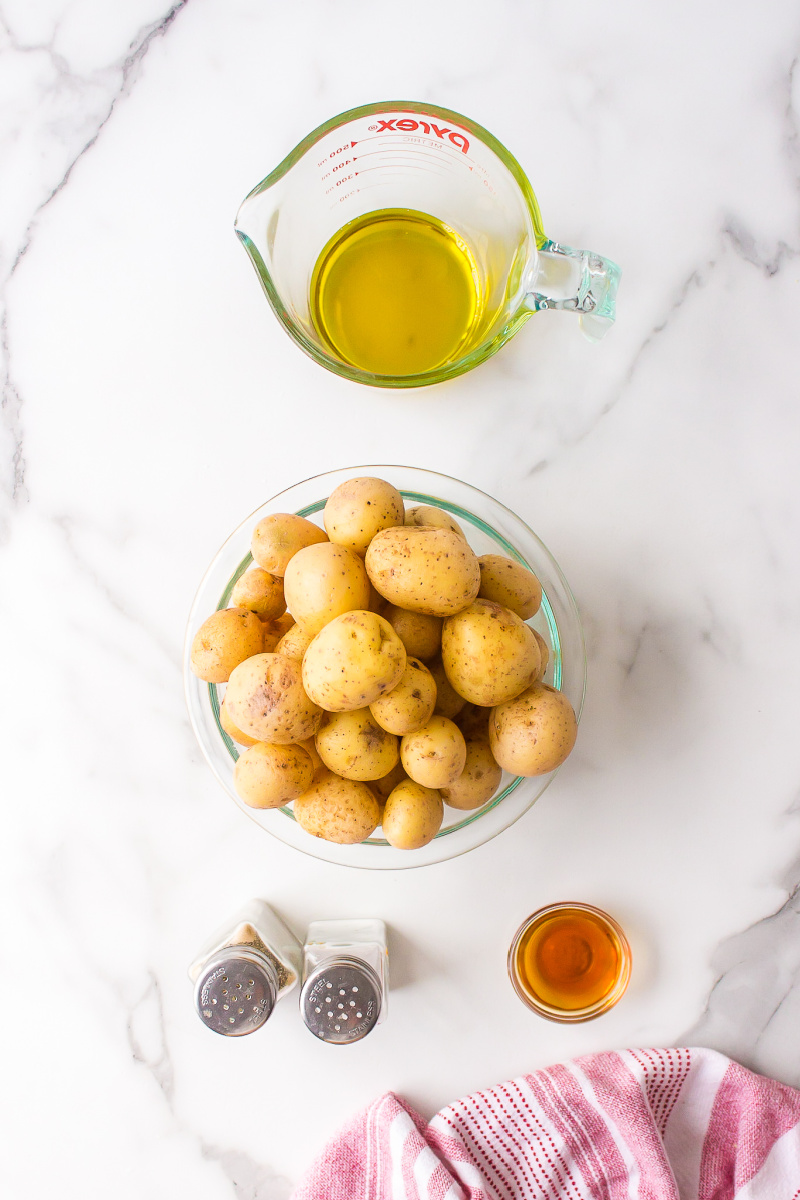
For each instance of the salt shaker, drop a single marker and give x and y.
(244, 970)
(346, 979)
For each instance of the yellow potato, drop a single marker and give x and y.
(274, 629)
(412, 816)
(410, 703)
(423, 569)
(324, 581)
(278, 537)
(448, 702)
(420, 633)
(489, 654)
(510, 584)
(224, 640)
(360, 508)
(473, 721)
(352, 661)
(269, 776)
(227, 724)
(544, 654)
(265, 699)
(533, 734)
(261, 592)
(426, 514)
(338, 810)
(353, 745)
(435, 755)
(382, 787)
(479, 780)
(295, 642)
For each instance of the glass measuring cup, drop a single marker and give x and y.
(420, 159)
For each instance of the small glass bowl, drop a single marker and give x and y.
(490, 528)
(526, 990)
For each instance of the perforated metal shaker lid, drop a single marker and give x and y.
(236, 991)
(341, 1000)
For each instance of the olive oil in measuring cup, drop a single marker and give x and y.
(396, 292)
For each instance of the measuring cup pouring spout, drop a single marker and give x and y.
(397, 195)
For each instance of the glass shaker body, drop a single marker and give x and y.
(243, 969)
(346, 978)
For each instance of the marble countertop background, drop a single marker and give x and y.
(151, 401)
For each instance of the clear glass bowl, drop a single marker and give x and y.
(526, 988)
(490, 529)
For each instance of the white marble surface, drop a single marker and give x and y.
(151, 401)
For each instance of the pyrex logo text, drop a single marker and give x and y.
(406, 125)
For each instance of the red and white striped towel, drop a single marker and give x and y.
(653, 1124)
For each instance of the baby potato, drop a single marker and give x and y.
(423, 569)
(352, 661)
(274, 629)
(261, 592)
(295, 642)
(479, 780)
(412, 816)
(410, 703)
(324, 581)
(278, 537)
(382, 787)
(489, 654)
(448, 702)
(358, 509)
(227, 724)
(265, 699)
(473, 721)
(338, 810)
(269, 776)
(353, 745)
(534, 733)
(224, 640)
(435, 755)
(510, 584)
(420, 633)
(426, 514)
(544, 654)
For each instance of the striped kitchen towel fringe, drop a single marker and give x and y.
(679, 1124)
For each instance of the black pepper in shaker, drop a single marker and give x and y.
(244, 970)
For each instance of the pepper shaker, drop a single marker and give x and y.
(346, 979)
(242, 972)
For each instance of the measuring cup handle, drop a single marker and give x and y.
(577, 281)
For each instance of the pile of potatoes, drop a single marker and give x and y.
(405, 678)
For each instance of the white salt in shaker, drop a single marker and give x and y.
(244, 970)
(346, 979)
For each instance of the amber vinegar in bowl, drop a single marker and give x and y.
(570, 962)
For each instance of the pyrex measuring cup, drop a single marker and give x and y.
(406, 156)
